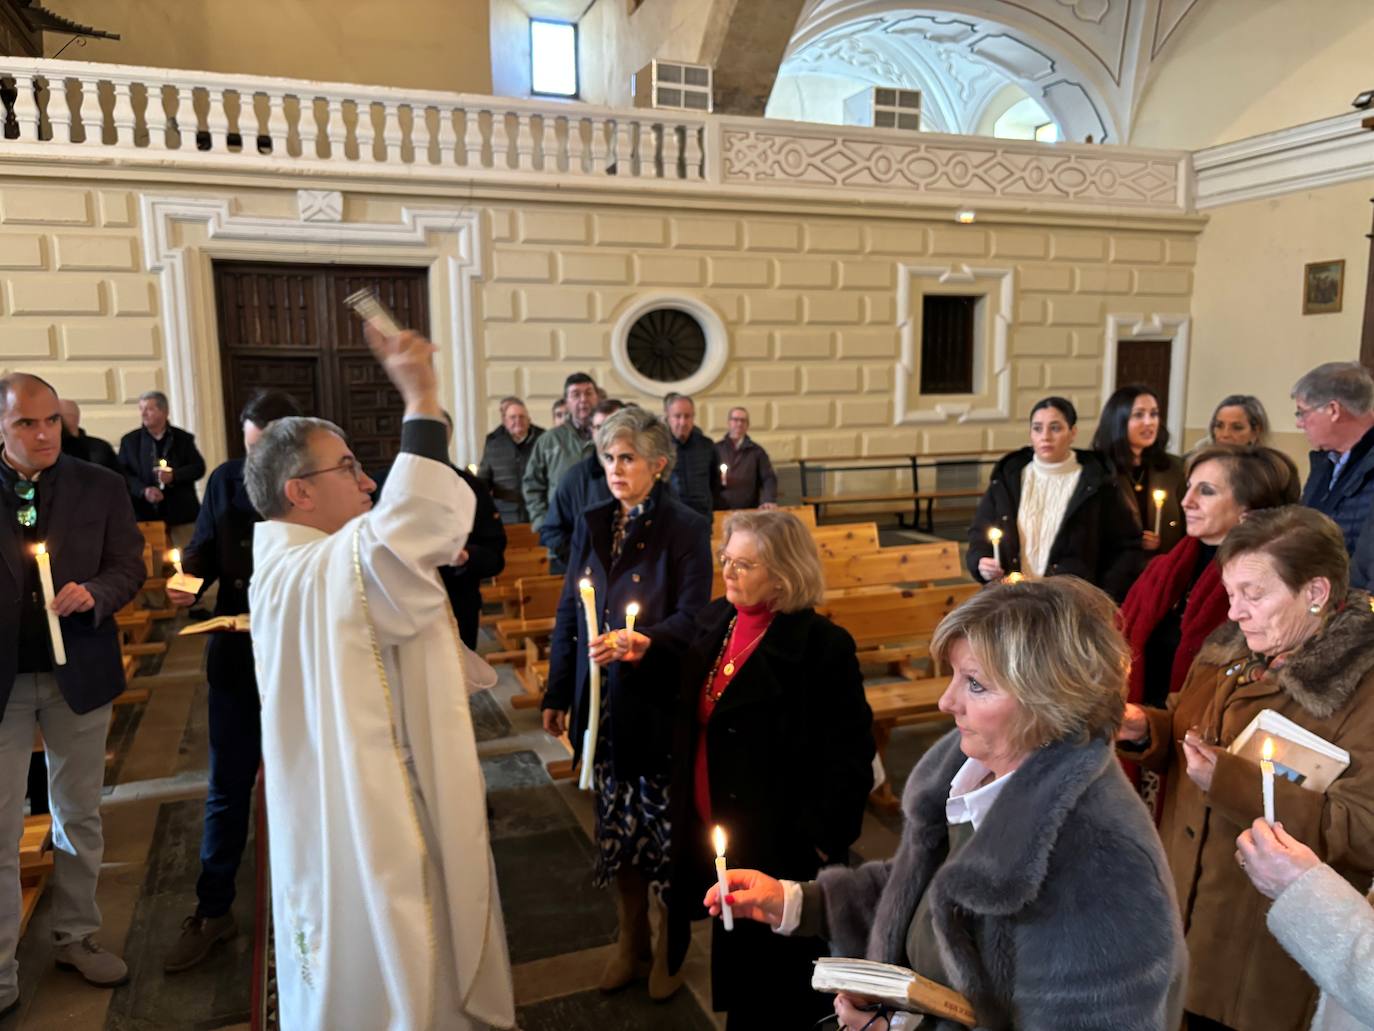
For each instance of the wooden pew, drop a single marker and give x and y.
(916, 563)
(521, 537)
(899, 703)
(806, 513)
(845, 539)
(536, 601)
(894, 627)
(35, 865)
(520, 563)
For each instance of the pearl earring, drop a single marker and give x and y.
(1314, 608)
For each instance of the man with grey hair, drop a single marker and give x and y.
(1335, 409)
(384, 894)
(695, 475)
(504, 458)
(161, 466)
(747, 479)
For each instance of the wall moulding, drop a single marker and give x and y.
(183, 235)
(1176, 327)
(992, 365)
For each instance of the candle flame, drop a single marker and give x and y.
(994, 535)
(1268, 750)
(40, 548)
(724, 468)
(174, 556)
(162, 463)
(632, 610)
(718, 837)
(1159, 496)
(584, 584)
(1014, 578)
(472, 469)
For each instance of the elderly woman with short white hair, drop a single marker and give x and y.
(1029, 877)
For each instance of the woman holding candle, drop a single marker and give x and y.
(645, 548)
(774, 745)
(1179, 599)
(1051, 510)
(1300, 643)
(1132, 439)
(1028, 877)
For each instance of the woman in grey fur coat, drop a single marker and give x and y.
(1029, 876)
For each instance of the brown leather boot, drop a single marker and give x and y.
(662, 985)
(632, 954)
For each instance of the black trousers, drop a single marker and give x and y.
(235, 755)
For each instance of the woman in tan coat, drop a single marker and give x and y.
(1301, 644)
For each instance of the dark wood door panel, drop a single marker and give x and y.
(1147, 363)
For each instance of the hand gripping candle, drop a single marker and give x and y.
(995, 535)
(1159, 496)
(584, 782)
(59, 650)
(726, 916)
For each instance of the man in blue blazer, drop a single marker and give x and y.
(83, 515)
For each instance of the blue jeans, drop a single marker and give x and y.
(235, 755)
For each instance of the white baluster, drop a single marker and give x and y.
(624, 146)
(279, 127)
(60, 111)
(599, 149)
(419, 133)
(365, 131)
(92, 118)
(524, 143)
(25, 109)
(217, 119)
(500, 141)
(448, 139)
(392, 137)
(693, 152)
(672, 151)
(336, 130)
(472, 136)
(155, 117)
(576, 148)
(548, 147)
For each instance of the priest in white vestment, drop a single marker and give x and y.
(384, 892)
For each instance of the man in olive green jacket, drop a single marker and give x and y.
(562, 447)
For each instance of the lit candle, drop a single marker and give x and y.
(162, 468)
(631, 614)
(718, 836)
(174, 557)
(1267, 779)
(1159, 497)
(59, 650)
(588, 593)
(724, 475)
(1014, 578)
(995, 535)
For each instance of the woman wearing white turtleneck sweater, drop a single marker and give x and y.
(1058, 510)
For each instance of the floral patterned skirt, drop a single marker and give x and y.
(633, 822)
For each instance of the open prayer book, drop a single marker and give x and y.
(237, 624)
(1299, 755)
(897, 986)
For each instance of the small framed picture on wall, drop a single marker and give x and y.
(1323, 283)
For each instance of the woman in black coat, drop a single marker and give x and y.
(1134, 440)
(774, 744)
(1058, 511)
(646, 548)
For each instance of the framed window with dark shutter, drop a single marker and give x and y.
(948, 334)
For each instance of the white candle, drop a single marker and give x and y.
(718, 835)
(995, 535)
(1267, 779)
(1159, 497)
(724, 475)
(631, 614)
(59, 650)
(588, 593)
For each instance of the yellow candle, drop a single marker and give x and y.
(631, 614)
(59, 650)
(1267, 779)
(724, 475)
(718, 837)
(174, 557)
(1159, 497)
(995, 535)
(584, 782)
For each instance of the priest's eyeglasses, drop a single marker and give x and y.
(348, 465)
(27, 490)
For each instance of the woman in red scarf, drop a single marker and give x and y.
(1178, 600)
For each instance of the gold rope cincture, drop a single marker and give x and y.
(411, 807)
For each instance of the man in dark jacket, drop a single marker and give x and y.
(82, 516)
(748, 480)
(79, 444)
(1335, 410)
(580, 487)
(507, 452)
(221, 549)
(161, 465)
(696, 475)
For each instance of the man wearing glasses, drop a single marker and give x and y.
(1335, 410)
(82, 515)
(384, 898)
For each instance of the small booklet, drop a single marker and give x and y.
(1299, 755)
(896, 986)
(235, 624)
(182, 582)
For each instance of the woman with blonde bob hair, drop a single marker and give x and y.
(1029, 877)
(774, 743)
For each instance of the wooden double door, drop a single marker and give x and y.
(286, 327)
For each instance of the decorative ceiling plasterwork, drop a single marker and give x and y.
(1085, 61)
